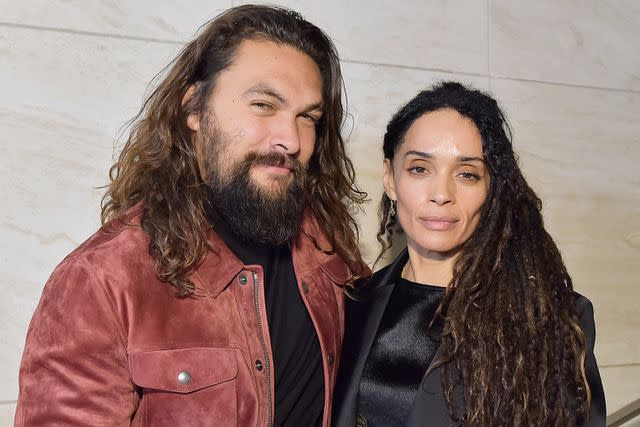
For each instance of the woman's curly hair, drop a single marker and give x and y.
(158, 168)
(510, 321)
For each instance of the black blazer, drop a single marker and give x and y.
(429, 408)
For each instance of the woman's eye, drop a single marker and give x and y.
(417, 169)
(469, 176)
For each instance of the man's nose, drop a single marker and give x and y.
(286, 136)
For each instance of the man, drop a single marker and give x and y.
(212, 293)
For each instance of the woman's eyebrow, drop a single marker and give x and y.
(419, 154)
(426, 155)
(470, 159)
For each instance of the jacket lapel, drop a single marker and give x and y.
(362, 319)
(430, 407)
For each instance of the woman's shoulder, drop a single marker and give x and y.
(584, 310)
(584, 307)
(581, 301)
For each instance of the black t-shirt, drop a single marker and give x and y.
(299, 377)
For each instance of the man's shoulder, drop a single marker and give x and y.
(121, 238)
(317, 251)
(113, 265)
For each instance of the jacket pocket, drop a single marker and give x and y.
(186, 387)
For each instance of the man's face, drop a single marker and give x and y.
(256, 136)
(267, 101)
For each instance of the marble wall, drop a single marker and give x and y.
(568, 74)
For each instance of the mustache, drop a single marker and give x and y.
(274, 159)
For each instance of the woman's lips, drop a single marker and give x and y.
(439, 223)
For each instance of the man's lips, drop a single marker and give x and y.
(439, 223)
(277, 169)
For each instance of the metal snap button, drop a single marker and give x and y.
(259, 365)
(243, 279)
(330, 358)
(184, 377)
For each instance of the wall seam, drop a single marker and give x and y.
(90, 33)
(568, 85)
(620, 365)
(410, 67)
(489, 75)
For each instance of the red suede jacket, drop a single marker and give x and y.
(110, 345)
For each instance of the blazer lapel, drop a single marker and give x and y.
(430, 407)
(361, 324)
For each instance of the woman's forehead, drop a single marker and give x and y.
(443, 134)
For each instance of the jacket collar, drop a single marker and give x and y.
(220, 265)
(218, 268)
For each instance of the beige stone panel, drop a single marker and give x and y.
(64, 99)
(374, 94)
(162, 20)
(7, 412)
(580, 149)
(621, 386)
(450, 36)
(592, 42)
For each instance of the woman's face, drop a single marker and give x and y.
(440, 181)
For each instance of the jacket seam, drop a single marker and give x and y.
(111, 304)
(181, 346)
(115, 319)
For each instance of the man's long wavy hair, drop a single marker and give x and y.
(510, 322)
(158, 166)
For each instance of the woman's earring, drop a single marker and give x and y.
(392, 208)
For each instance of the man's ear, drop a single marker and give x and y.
(193, 123)
(193, 119)
(389, 183)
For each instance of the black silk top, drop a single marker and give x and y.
(401, 352)
(429, 408)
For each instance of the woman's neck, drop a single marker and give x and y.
(429, 268)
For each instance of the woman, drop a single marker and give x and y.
(476, 321)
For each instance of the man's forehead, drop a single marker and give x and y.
(268, 68)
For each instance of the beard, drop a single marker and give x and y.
(267, 213)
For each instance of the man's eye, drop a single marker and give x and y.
(262, 106)
(310, 118)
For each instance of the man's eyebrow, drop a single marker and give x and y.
(315, 106)
(266, 89)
